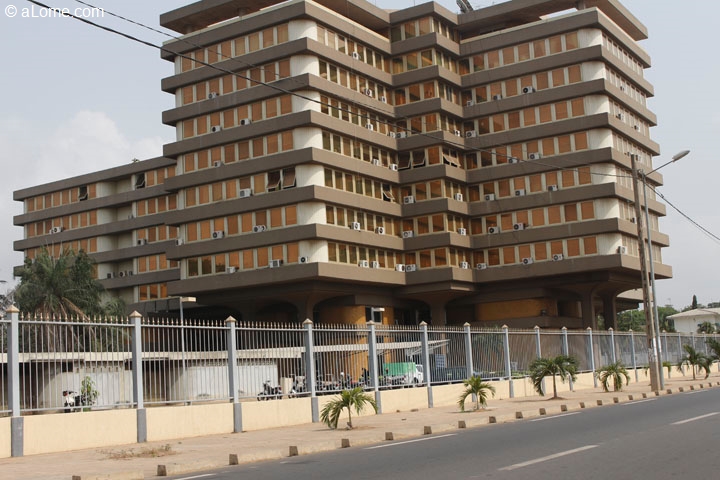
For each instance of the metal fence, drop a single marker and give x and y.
(62, 365)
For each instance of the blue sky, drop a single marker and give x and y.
(78, 99)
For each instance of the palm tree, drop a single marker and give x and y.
(349, 399)
(563, 365)
(706, 327)
(695, 359)
(475, 386)
(715, 347)
(615, 371)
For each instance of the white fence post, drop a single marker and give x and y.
(233, 383)
(137, 375)
(468, 351)
(508, 369)
(310, 376)
(632, 349)
(17, 426)
(373, 364)
(592, 356)
(612, 345)
(426, 363)
(566, 351)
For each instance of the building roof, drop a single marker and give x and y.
(697, 312)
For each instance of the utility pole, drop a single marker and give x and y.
(649, 324)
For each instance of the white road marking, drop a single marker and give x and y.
(197, 476)
(694, 392)
(549, 457)
(640, 401)
(411, 441)
(554, 416)
(694, 418)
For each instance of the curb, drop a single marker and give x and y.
(180, 468)
(112, 476)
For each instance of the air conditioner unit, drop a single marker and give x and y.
(622, 250)
(459, 197)
(370, 126)
(528, 90)
(458, 133)
(401, 134)
(520, 192)
(407, 234)
(469, 103)
(513, 160)
(497, 97)
(276, 263)
(462, 231)
(399, 267)
(552, 188)
(408, 199)
(364, 264)
(636, 127)
(304, 259)
(493, 230)
(383, 98)
(110, 275)
(557, 257)
(244, 193)
(355, 225)
(470, 134)
(374, 264)
(215, 128)
(142, 241)
(356, 55)
(245, 121)
(464, 265)
(527, 261)
(377, 162)
(632, 220)
(218, 234)
(213, 95)
(178, 242)
(394, 167)
(217, 163)
(620, 116)
(380, 230)
(368, 92)
(410, 267)
(56, 229)
(489, 197)
(534, 156)
(259, 228)
(518, 226)
(231, 270)
(392, 134)
(121, 274)
(481, 266)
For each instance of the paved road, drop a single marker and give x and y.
(659, 438)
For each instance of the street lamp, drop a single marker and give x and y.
(656, 317)
(656, 380)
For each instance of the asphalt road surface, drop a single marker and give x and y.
(670, 437)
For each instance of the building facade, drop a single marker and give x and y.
(341, 162)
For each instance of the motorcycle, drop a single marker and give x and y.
(73, 401)
(269, 392)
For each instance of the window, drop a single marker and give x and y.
(82, 193)
(273, 180)
(288, 180)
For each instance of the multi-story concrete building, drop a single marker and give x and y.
(338, 161)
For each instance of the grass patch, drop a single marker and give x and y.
(145, 452)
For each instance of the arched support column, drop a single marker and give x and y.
(438, 314)
(610, 311)
(588, 310)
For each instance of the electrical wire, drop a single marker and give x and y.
(704, 230)
(274, 87)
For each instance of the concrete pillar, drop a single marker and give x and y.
(17, 425)
(310, 375)
(233, 382)
(426, 363)
(588, 311)
(610, 311)
(137, 376)
(438, 315)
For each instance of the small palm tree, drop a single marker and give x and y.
(349, 399)
(695, 359)
(615, 372)
(475, 386)
(715, 347)
(563, 365)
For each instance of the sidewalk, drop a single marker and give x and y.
(201, 453)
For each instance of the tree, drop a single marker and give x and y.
(349, 399)
(475, 386)
(563, 365)
(695, 359)
(715, 347)
(615, 371)
(631, 320)
(61, 287)
(694, 302)
(665, 323)
(706, 327)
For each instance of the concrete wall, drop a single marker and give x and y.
(446, 395)
(5, 437)
(274, 413)
(164, 423)
(404, 399)
(74, 431)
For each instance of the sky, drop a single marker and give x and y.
(79, 99)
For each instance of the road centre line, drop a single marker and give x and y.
(411, 441)
(694, 418)
(554, 416)
(640, 401)
(696, 391)
(197, 476)
(549, 457)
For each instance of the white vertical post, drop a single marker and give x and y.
(426, 363)
(592, 356)
(468, 351)
(373, 364)
(566, 351)
(508, 370)
(137, 375)
(632, 350)
(17, 422)
(613, 355)
(310, 376)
